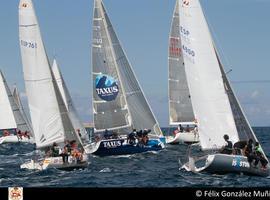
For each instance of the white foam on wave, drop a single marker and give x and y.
(105, 170)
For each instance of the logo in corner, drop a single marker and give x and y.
(15, 193)
(106, 87)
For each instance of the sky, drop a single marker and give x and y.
(240, 29)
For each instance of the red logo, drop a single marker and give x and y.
(15, 193)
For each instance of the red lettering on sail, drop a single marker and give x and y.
(175, 49)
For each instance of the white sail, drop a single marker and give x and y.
(109, 58)
(7, 120)
(73, 114)
(18, 101)
(209, 99)
(244, 129)
(180, 107)
(47, 110)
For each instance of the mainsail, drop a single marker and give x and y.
(48, 113)
(209, 99)
(73, 114)
(118, 99)
(180, 107)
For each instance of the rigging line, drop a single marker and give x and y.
(251, 81)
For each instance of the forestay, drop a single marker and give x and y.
(209, 99)
(180, 107)
(47, 109)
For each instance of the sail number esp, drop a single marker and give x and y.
(32, 45)
(188, 51)
(184, 31)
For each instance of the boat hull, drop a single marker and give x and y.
(121, 147)
(184, 137)
(15, 139)
(223, 164)
(57, 163)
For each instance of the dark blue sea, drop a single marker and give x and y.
(142, 170)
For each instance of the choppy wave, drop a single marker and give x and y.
(140, 170)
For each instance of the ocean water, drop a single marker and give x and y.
(159, 169)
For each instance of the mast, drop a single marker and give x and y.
(180, 107)
(49, 116)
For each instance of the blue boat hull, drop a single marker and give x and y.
(119, 147)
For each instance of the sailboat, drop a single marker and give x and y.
(51, 123)
(180, 107)
(119, 105)
(216, 107)
(12, 117)
(73, 114)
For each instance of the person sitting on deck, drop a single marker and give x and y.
(107, 134)
(66, 151)
(250, 154)
(26, 134)
(6, 133)
(238, 147)
(145, 137)
(77, 155)
(132, 137)
(139, 137)
(180, 128)
(260, 155)
(19, 134)
(115, 135)
(75, 152)
(227, 149)
(187, 129)
(55, 150)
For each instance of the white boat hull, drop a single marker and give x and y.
(223, 164)
(15, 139)
(56, 162)
(184, 137)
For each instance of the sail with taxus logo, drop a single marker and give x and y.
(118, 100)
